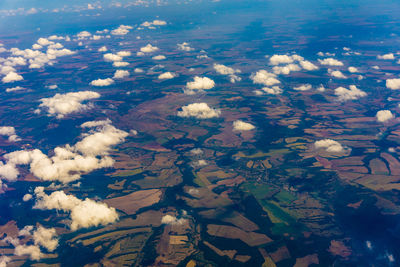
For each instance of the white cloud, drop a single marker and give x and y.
(91, 124)
(303, 87)
(352, 93)
(329, 145)
(185, 47)
(393, 84)
(337, 74)
(12, 77)
(239, 125)
(274, 90)
(46, 237)
(32, 251)
(384, 115)
(154, 23)
(199, 111)
(10, 132)
(265, 78)
(83, 35)
(120, 64)
(68, 163)
(199, 84)
(149, 49)
(166, 75)
(121, 30)
(112, 57)
(386, 56)
(124, 53)
(284, 59)
(120, 74)
(286, 69)
(169, 219)
(63, 104)
(159, 57)
(84, 213)
(27, 197)
(4, 260)
(330, 62)
(353, 70)
(102, 82)
(103, 49)
(138, 70)
(224, 70)
(44, 42)
(307, 65)
(327, 54)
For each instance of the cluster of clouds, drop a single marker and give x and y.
(293, 63)
(41, 237)
(185, 47)
(116, 59)
(329, 145)
(83, 213)
(199, 111)
(10, 132)
(68, 163)
(153, 24)
(231, 72)
(352, 93)
(64, 104)
(265, 78)
(33, 58)
(240, 125)
(121, 30)
(199, 84)
(384, 115)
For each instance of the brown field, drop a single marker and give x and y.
(135, 201)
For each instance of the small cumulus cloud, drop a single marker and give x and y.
(166, 76)
(159, 57)
(199, 84)
(353, 70)
(337, 74)
(199, 111)
(265, 78)
(120, 74)
(169, 219)
(102, 82)
(389, 56)
(330, 62)
(240, 125)
(121, 30)
(148, 49)
(231, 72)
(12, 77)
(304, 87)
(352, 93)
(329, 145)
(384, 115)
(185, 47)
(393, 84)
